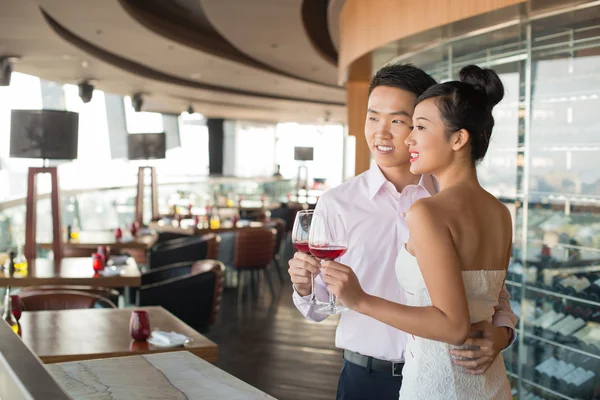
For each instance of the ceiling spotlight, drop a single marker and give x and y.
(137, 102)
(86, 91)
(6, 69)
(190, 109)
(85, 64)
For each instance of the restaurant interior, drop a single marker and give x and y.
(155, 156)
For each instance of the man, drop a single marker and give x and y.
(371, 206)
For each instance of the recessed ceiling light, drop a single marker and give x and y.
(85, 64)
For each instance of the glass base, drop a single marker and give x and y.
(328, 309)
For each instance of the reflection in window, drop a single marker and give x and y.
(141, 122)
(328, 143)
(255, 150)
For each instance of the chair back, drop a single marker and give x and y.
(60, 300)
(190, 297)
(191, 248)
(280, 226)
(108, 293)
(166, 272)
(254, 248)
(69, 251)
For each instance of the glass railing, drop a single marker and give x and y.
(101, 209)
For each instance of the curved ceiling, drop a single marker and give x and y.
(271, 31)
(334, 9)
(216, 85)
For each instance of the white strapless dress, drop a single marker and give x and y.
(429, 373)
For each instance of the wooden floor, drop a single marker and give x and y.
(267, 343)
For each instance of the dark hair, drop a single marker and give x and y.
(468, 103)
(402, 76)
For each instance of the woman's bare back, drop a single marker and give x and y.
(480, 226)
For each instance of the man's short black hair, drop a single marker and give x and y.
(402, 76)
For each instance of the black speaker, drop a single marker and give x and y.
(5, 71)
(86, 91)
(47, 134)
(146, 146)
(216, 141)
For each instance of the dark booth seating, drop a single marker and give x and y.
(191, 291)
(191, 248)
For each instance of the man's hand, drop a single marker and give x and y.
(490, 341)
(342, 281)
(301, 267)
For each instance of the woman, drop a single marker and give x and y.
(453, 266)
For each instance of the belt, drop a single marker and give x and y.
(380, 365)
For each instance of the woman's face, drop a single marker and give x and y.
(429, 146)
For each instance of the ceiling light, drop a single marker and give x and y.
(85, 64)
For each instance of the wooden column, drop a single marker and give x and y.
(139, 198)
(31, 220)
(357, 98)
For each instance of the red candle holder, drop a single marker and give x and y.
(139, 325)
(97, 263)
(16, 306)
(134, 228)
(118, 234)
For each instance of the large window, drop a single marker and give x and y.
(328, 154)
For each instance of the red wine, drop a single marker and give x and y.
(302, 247)
(327, 252)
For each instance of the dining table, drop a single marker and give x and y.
(84, 334)
(76, 271)
(89, 241)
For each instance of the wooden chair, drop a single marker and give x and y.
(253, 253)
(60, 300)
(107, 293)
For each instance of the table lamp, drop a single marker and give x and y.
(302, 154)
(146, 146)
(49, 135)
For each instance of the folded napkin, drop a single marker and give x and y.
(110, 271)
(119, 259)
(162, 338)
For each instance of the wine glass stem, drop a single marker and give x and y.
(332, 301)
(313, 297)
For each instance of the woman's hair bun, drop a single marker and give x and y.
(484, 80)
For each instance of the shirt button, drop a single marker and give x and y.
(403, 214)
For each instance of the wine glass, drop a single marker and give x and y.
(300, 234)
(327, 241)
